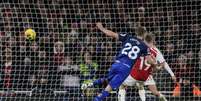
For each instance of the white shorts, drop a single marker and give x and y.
(130, 81)
(150, 81)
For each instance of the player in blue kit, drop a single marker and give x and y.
(132, 48)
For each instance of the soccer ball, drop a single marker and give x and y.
(30, 34)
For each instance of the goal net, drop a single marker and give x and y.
(69, 50)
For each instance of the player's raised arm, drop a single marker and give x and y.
(106, 31)
(162, 63)
(169, 70)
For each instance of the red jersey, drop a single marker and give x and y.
(141, 69)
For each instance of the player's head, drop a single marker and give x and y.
(59, 47)
(149, 39)
(141, 32)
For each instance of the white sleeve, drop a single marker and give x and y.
(159, 56)
(160, 59)
(168, 69)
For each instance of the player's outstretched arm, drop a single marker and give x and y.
(169, 70)
(165, 65)
(106, 31)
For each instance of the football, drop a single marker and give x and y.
(30, 34)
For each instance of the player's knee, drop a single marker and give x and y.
(140, 86)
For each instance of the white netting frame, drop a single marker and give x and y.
(120, 16)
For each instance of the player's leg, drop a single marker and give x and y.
(154, 90)
(103, 94)
(122, 93)
(117, 79)
(141, 91)
(130, 81)
(98, 82)
(152, 87)
(113, 85)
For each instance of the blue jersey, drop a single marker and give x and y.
(132, 48)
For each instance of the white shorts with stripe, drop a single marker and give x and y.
(130, 81)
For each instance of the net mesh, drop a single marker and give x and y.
(69, 50)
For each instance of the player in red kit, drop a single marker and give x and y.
(142, 70)
(141, 73)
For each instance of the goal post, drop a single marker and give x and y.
(69, 50)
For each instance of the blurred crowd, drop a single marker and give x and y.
(69, 49)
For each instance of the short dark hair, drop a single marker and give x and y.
(141, 31)
(149, 38)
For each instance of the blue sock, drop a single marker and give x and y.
(103, 95)
(98, 82)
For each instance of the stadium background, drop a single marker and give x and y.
(70, 50)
